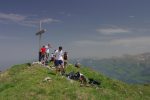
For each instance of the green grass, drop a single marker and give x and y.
(23, 82)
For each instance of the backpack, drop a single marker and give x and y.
(94, 82)
(65, 56)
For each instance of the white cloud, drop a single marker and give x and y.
(68, 15)
(112, 31)
(23, 20)
(49, 20)
(124, 42)
(64, 13)
(86, 42)
(132, 42)
(132, 16)
(2, 37)
(36, 22)
(116, 47)
(12, 17)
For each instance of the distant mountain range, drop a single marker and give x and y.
(128, 68)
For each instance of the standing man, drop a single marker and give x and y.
(43, 52)
(47, 51)
(59, 61)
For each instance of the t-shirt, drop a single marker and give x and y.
(52, 55)
(47, 49)
(43, 50)
(59, 55)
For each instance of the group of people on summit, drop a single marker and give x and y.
(59, 57)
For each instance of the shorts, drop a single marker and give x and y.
(58, 62)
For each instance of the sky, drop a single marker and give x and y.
(84, 28)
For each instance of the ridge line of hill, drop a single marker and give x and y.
(27, 82)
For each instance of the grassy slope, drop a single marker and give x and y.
(22, 82)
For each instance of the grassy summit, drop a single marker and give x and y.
(23, 82)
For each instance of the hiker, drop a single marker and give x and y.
(59, 61)
(47, 50)
(52, 57)
(43, 52)
(77, 76)
(73, 75)
(65, 59)
(83, 80)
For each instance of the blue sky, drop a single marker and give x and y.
(85, 28)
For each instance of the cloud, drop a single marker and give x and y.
(143, 42)
(86, 42)
(131, 42)
(112, 31)
(132, 16)
(49, 20)
(12, 17)
(64, 13)
(68, 15)
(116, 47)
(24, 20)
(2, 37)
(35, 22)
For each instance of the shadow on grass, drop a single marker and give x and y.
(51, 73)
